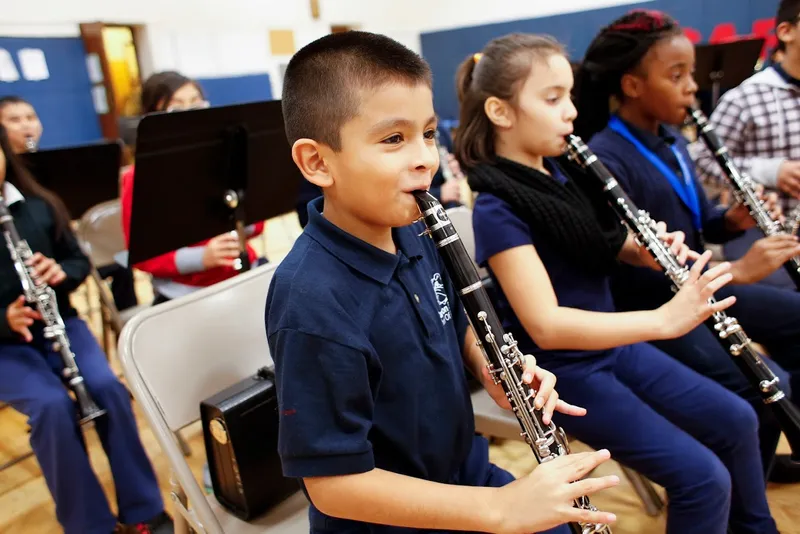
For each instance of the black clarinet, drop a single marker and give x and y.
(726, 328)
(504, 360)
(743, 187)
(43, 298)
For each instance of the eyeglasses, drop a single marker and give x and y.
(203, 104)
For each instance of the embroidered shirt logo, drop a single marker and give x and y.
(441, 298)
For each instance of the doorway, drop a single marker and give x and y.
(114, 71)
(123, 66)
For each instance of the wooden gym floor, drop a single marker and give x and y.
(26, 506)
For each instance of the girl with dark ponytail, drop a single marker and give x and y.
(550, 243)
(635, 85)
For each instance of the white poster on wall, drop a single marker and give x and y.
(94, 68)
(100, 99)
(34, 64)
(8, 70)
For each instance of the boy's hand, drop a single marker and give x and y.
(543, 382)
(771, 203)
(46, 270)
(738, 217)
(20, 317)
(544, 499)
(450, 191)
(764, 258)
(221, 251)
(789, 178)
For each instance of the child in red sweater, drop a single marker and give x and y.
(203, 264)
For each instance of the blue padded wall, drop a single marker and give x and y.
(64, 100)
(237, 90)
(445, 50)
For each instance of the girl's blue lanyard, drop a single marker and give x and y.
(685, 188)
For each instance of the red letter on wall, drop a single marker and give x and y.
(764, 28)
(723, 33)
(692, 34)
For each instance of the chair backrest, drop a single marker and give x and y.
(187, 349)
(461, 217)
(181, 352)
(100, 232)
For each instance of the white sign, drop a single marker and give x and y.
(100, 99)
(34, 64)
(94, 68)
(8, 71)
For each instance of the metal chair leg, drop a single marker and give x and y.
(653, 504)
(185, 449)
(181, 515)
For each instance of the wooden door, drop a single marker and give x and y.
(102, 90)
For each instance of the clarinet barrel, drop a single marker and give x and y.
(504, 359)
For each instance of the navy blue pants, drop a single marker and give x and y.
(29, 383)
(679, 429)
(701, 351)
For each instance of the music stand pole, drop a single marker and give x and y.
(724, 66)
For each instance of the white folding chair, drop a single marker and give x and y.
(493, 421)
(100, 234)
(181, 352)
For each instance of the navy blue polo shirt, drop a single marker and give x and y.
(498, 228)
(367, 348)
(640, 287)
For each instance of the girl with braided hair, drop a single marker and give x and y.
(640, 68)
(550, 242)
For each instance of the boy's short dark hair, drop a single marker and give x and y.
(12, 99)
(788, 11)
(323, 81)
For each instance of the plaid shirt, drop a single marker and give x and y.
(759, 123)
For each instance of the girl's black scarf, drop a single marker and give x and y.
(574, 218)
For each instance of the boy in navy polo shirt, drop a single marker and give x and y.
(367, 333)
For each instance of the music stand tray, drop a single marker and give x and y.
(82, 176)
(201, 173)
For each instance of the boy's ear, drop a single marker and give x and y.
(786, 32)
(307, 155)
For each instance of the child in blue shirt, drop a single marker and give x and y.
(549, 239)
(367, 333)
(31, 373)
(644, 63)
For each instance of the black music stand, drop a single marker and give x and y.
(82, 176)
(201, 173)
(725, 65)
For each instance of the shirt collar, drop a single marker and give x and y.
(360, 255)
(785, 75)
(650, 140)
(11, 194)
